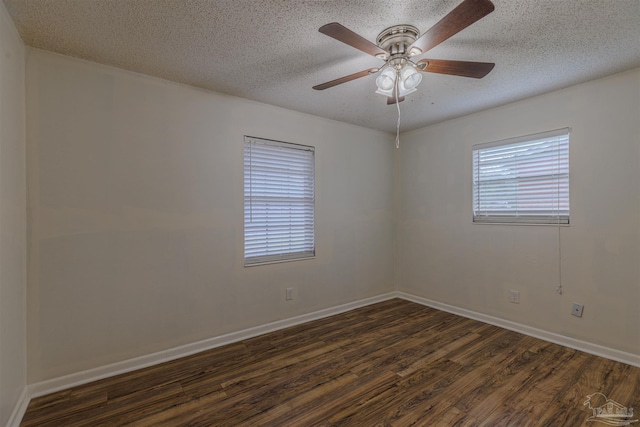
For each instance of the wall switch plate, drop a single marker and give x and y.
(576, 310)
(514, 296)
(288, 294)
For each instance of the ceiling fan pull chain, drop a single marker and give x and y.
(398, 125)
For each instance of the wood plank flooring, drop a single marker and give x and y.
(395, 363)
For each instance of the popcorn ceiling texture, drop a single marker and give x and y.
(271, 51)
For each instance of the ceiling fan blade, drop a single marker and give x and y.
(465, 14)
(477, 70)
(345, 35)
(345, 79)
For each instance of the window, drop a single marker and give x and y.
(522, 180)
(279, 201)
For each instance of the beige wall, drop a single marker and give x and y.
(13, 232)
(442, 256)
(136, 198)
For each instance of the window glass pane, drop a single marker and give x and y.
(278, 201)
(522, 180)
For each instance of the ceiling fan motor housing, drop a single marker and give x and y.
(397, 39)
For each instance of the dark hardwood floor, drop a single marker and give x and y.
(395, 363)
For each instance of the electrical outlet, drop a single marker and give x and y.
(576, 310)
(288, 294)
(514, 296)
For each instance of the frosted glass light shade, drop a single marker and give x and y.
(410, 78)
(386, 80)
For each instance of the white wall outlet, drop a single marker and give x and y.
(288, 295)
(576, 310)
(514, 296)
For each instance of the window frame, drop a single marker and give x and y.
(304, 200)
(539, 215)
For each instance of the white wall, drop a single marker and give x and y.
(442, 256)
(136, 199)
(13, 358)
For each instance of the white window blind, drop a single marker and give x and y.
(522, 180)
(279, 201)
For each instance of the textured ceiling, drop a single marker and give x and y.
(271, 51)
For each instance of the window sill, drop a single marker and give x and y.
(278, 261)
(547, 224)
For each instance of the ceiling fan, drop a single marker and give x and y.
(397, 45)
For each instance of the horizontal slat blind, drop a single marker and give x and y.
(279, 201)
(522, 180)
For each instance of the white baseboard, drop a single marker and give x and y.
(587, 347)
(19, 410)
(72, 380)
